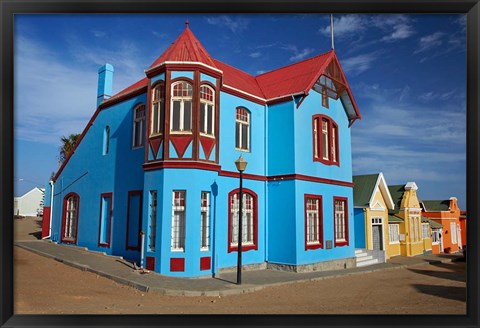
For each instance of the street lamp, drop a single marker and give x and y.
(241, 166)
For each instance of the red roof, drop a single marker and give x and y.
(295, 78)
(240, 80)
(185, 48)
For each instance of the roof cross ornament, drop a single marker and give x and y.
(186, 23)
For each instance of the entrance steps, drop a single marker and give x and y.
(365, 257)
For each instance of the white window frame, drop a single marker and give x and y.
(158, 109)
(394, 233)
(247, 220)
(182, 100)
(313, 220)
(325, 138)
(425, 234)
(138, 123)
(205, 221)
(152, 224)
(340, 220)
(238, 125)
(436, 235)
(71, 218)
(178, 220)
(453, 233)
(208, 104)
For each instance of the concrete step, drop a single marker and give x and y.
(365, 263)
(364, 258)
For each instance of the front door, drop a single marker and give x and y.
(377, 237)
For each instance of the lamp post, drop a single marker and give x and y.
(241, 166)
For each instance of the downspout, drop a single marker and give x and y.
(51, 211)
(266, 183)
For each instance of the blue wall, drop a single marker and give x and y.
(89, 173)
(195, 181)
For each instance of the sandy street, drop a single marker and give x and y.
(45, 286)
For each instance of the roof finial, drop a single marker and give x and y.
(331, 30)
(186, 23)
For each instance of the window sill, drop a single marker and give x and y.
(242, 150)
(180, 132)
(211, 136)
(137, 147)
(177, 250)
(313, 246)
(394, 243)
(341, 243)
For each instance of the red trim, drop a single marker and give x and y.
(320, 221)
(130, 194)
(309, 178)
(195, 113)
(340, 243)
(150, 263)
(182, 67)
(331, 124)
(245, 176)
(255, 221)
(155, 143)
(181, 165)
(205, 263)
(70, 241)
(109, 226)
(177, 265)
(180, 143)
(207, 144)
(118, 99)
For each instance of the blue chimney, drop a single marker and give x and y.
(105, 82)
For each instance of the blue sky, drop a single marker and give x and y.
(407, 74)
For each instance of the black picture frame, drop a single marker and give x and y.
(8, 9)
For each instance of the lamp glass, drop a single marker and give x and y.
(241, 164)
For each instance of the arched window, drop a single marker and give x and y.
(242, 129)
(325, 140)
(158, 109)
(207, 110)
(106, 140)
(181, 107)
(71, 204)
(249, 220)
(138, 125)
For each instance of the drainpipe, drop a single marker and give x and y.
(51, 211)
(142, 234)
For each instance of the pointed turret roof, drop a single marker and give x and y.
(186, 48)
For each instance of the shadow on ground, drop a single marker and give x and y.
(448, 292)
(454, 274)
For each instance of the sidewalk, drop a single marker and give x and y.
(121, 271)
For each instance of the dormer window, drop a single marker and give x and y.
(158, 109)
(325, 140)
(207, 110)
(181, 107)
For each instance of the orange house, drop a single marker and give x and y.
(445, 212)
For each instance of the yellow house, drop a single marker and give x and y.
(414, 236)
(372, 203)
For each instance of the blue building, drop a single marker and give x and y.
(158, 158)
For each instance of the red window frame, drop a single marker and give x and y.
(346, 241)
(248, 247)
(317, 126)
(109, 225)
(320, 222)
(64, 218)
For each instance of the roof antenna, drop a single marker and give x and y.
(186, 23)
(331, 30)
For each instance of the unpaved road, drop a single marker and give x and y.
(45, 286)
